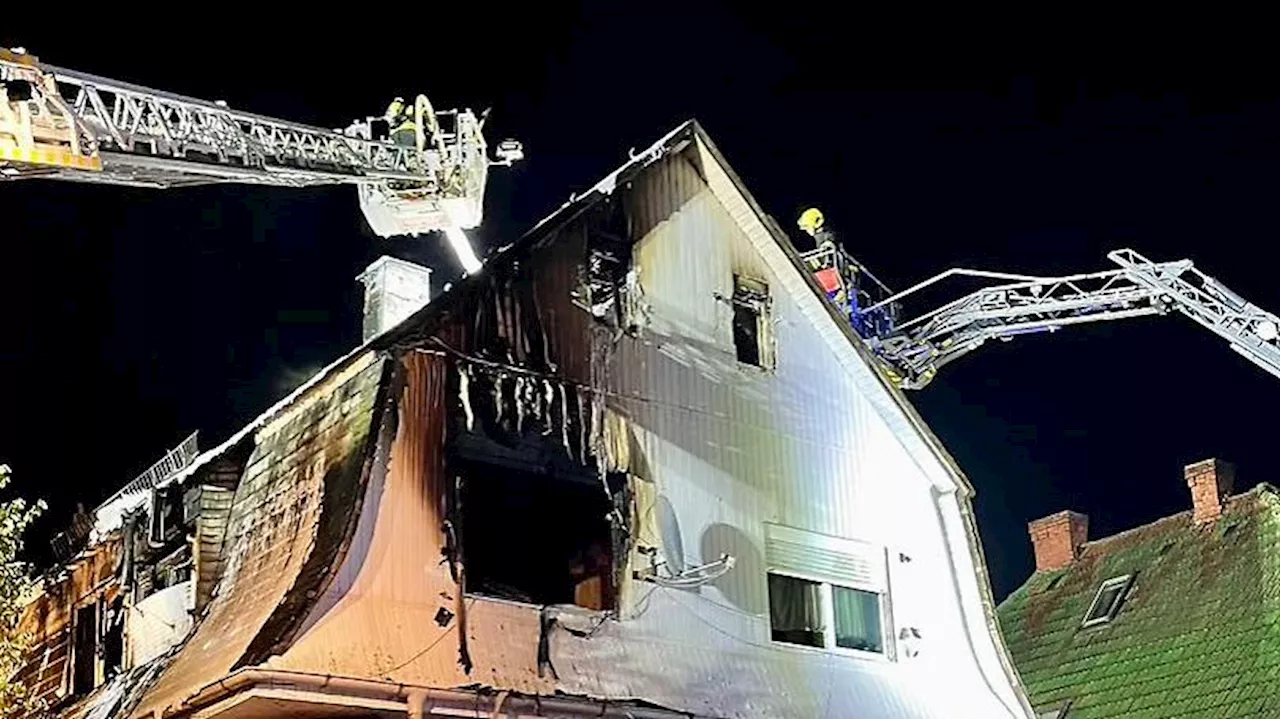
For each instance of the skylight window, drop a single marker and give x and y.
(1107, 601)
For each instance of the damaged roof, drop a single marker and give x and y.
(301, 490)
(1196, 635)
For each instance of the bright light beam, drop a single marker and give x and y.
(462, 248)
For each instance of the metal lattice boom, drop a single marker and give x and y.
(150, 138)
(915, 349)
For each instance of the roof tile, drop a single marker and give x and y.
(1197, 635)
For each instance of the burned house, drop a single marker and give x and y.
(129, 579)
(637, 467)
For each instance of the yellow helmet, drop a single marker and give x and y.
(811, 220)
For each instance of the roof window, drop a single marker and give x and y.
(1107, 601)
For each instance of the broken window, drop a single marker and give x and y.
(536, 536)
(84, 671)
(750, 321)
(166, 514)
(113, 638)
(1107, 601)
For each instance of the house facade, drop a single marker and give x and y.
(1171, 619)
(638, 466)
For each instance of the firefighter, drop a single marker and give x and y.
(812, 222)
(394, 111)
(400, 123)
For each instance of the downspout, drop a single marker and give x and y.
(416, 699)
(963, 508)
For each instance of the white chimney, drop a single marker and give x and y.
(393, 290)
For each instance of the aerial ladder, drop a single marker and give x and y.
(61, 124)
(911, 351)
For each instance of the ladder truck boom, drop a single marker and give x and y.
(63, 124)
(912, 351)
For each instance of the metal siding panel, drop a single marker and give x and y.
(732, 447)
(728, 449)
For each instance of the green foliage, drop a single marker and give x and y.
(15, 583)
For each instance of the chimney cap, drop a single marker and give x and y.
(1056, 517)
(386, 261)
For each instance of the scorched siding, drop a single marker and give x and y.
(731, 447)
(302, 461)
(334, 547)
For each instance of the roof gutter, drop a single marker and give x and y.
(418, 702)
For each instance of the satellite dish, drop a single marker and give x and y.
(669, 532)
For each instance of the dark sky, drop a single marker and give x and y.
(133, 317)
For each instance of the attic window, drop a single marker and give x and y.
(750, 323)
(1107, 601)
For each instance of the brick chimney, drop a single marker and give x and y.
(1211, 481)
(1057, 539)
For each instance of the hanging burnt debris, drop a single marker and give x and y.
(607, 285)
(530, 441)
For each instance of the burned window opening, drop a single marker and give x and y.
(534, 536)
(607, 287)
(603, 278)
(750, 321)
(166, 514)
(84, 673)
(746, 334)
(113, 638)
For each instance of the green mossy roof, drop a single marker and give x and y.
(1198, 634)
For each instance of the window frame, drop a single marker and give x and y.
(827, 599)
(752, 294)
(1124, 582)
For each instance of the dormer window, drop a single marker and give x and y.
(1107, 601)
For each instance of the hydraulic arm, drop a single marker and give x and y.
(66, 125)
(912, 351)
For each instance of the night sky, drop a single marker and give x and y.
(133, 317)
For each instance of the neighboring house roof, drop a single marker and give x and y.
(307, 483)
(1196, 635)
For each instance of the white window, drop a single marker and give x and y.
(1107, 601)
(827, 592)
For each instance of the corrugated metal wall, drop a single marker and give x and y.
(716, 450)
(731, 447)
